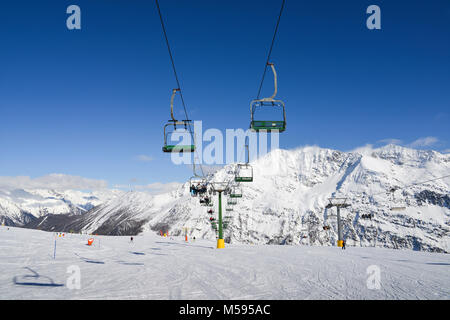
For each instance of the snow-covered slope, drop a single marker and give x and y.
(285, 204)
(154, 267)
(19, 206)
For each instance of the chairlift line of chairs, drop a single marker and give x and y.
(202, 187)
(244, 172)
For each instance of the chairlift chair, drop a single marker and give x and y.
(244, 173)
(397, 204)
(232, 201)
(198, 186)
(268, 125)
(206, 201)
(397, 208)
(171, 126)
(227, 219)
(236, 192)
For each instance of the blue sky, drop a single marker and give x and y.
(93, 102)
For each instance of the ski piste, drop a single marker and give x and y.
(157, 267)
(102, 97)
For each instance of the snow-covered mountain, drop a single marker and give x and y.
(19, 207)
(286, 202)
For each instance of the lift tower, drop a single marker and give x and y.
(220, 187)
(338, 203)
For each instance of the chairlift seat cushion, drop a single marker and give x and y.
(179, 148)
(243, 179)
(268, 125)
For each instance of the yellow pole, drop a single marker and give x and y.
(220, 241)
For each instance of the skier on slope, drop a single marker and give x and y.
(343, 244)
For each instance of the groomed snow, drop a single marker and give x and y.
(154, 267)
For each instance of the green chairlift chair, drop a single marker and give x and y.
(236, 192)
(171, 127)
(268, 125)
(244, 173)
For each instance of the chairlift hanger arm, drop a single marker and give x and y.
(174, 91)
(274, 83)
(248, 154)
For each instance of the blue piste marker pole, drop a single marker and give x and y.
(54, 251)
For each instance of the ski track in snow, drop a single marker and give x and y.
(154, 267)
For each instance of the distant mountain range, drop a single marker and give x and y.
(285, 204)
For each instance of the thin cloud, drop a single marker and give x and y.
(144, 158)
(424, 142)
(391, 141)
(55, 181)
(159, 187)
(152, 188)
(441, 116)
(364, 150)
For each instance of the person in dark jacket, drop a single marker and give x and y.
(343, 244)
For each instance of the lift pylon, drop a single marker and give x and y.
(220, 187)
(338, 203)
